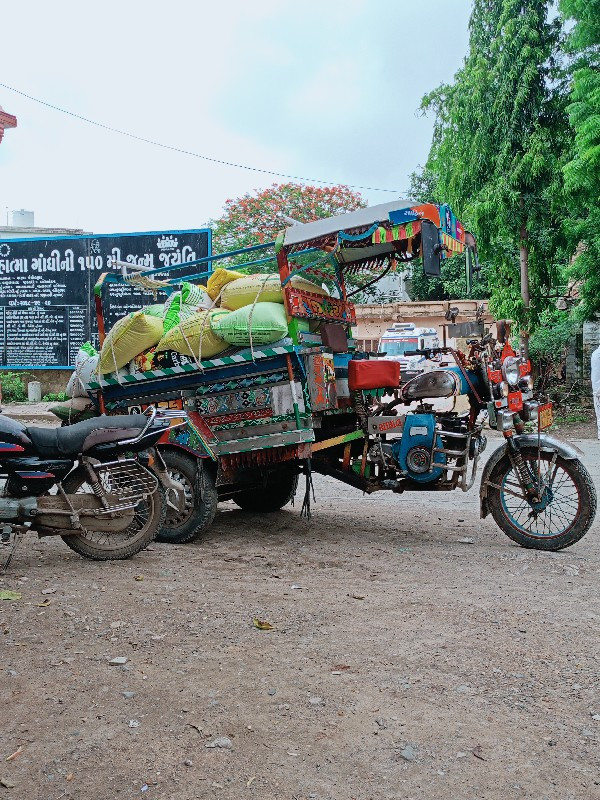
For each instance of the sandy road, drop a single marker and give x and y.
(401, 663)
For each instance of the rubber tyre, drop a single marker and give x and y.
(583, 519)
(129, 547)
(199, 514)
(272, 497)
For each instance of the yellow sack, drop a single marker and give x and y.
(194, 336)
(262, 289)
(220, 278)
(127, 338)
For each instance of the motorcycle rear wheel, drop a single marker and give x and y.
(567, 509)
(98, 546)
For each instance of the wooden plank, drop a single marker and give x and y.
(348, 437)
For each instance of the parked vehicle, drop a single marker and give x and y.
(402, 337)
(98, 484)
(259, 417)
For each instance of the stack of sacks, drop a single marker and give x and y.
(250, 312)
(144, 329)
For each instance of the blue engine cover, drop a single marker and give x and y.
(412, 451)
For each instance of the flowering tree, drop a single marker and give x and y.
(257, 218)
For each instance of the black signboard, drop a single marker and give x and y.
(46, 289)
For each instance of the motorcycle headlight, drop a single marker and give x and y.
(510, 371)
(500, 390)
(526, 383)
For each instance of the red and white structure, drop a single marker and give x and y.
(6, 121)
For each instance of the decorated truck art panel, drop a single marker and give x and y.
(263, 367)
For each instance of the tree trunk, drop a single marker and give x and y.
(524, 263)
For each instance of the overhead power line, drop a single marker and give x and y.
(188, 152)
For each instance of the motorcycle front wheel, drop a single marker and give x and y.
(567, 501)
(100, 546)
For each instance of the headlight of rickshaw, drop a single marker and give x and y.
(526, 383)
(500, 390)
(510, 371)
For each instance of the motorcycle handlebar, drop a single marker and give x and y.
(425, 352)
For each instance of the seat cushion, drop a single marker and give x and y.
(69, 441)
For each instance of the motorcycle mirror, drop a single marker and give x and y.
(431, 249)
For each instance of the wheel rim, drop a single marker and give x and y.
(175, 519)
(107, 541)
(556, 512)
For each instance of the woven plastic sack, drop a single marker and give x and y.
(220, 278)
(86, 364)
(268, 321)
(192, 295)
(129, 336)
(195, 336)
(252, 288)
(156, 310)
(262, 289)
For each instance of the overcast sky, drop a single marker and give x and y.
(323, 90)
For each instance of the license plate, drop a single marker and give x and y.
(545, 416)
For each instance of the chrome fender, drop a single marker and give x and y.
(548, 444)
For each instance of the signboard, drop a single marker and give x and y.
(46, 289)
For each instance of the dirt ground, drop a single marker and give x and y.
(401, 663)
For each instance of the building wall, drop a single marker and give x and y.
(16, 232)
(372, 319)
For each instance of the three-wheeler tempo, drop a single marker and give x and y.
(259, 417)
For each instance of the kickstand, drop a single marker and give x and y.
(13, 547)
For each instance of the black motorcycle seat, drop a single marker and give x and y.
(71, 440)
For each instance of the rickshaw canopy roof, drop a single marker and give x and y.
(361, 218)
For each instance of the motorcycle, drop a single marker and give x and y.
(99, 484)
(534, 486)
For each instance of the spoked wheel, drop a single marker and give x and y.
(148, 518)
(200, 499)
(566, 507)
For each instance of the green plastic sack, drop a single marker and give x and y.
(193, 295)
(268, 321)
(129, 336)
(156, 310)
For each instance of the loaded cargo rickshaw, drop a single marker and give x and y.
(300, 398)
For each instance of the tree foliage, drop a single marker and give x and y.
(582, 172)
(257, 218)
(500, 138)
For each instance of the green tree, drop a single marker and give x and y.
(500, 137)
(257, 218)
(582, 172)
